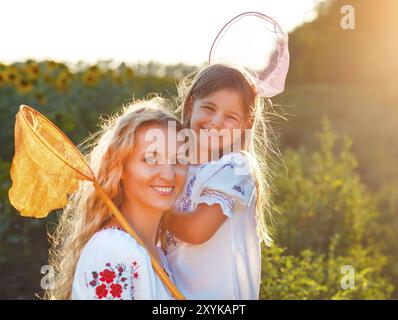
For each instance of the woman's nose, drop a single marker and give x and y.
(167, 172)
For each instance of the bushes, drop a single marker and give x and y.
(322, 276)
(324, 230)
(322, 195)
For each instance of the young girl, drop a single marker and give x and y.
(217, 221)
(94, 257)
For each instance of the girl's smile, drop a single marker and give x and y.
(216, 116)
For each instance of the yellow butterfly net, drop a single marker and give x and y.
(47, 167)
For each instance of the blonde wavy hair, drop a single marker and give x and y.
(262, 146)
(85, 212)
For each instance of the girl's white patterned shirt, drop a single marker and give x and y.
(227, 266)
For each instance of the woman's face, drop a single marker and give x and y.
(221, 111)
(153, 177)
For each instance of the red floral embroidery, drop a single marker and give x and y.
(134, 273)
(107, 276)
(116, 290)
(110, 282)
(101, 291)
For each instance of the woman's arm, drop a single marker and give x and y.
(198, 226)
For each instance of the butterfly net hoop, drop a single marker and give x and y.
(256, 43)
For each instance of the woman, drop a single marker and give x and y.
(93, 256)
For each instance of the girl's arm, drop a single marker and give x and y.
(198, 226)
(216, 200)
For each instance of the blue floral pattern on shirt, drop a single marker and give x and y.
(239, 189)
(184, 202)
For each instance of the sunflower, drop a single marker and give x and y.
(62, 81)
(24, 86)
(51, 65)
(11, 75)
(32, 71)
(91, 77)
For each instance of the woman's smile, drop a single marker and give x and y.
(162, 190)
(151, 178)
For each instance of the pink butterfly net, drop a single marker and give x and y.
(256, 43)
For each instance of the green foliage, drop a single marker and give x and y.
(385, 229)
(309, 276)
(326, 224)
(4, 207)
(12, 231)
(322, 196)
(366, 114)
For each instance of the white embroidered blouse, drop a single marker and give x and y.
(227, 266)
(113, 266)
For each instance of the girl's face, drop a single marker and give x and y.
(150, 179)
(221, 111)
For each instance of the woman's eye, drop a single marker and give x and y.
(181, 159)
(150, 160)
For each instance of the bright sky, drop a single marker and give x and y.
(167, 31)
